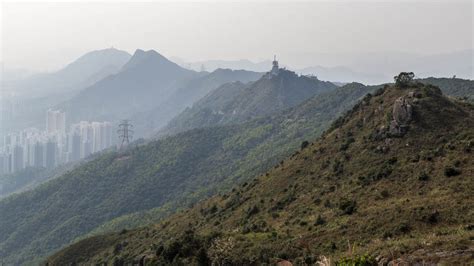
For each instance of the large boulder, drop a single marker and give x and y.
(402, 114)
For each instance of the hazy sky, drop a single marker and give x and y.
(46, 36)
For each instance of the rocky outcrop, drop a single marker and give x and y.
(402, 114)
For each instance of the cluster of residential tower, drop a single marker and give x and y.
(55, 145)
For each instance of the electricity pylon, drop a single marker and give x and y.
(125, 133)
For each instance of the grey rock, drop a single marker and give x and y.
(402, 114)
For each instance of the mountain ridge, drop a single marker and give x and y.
(237, 102)
(145, 81)
(391, 175)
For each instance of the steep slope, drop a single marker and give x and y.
(152, 120)
(168, 174)
(235, 103)
(145, 81)
(392, 177)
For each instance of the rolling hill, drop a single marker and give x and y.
(83, 72)
(391, 179)
(236, 102)
(36, 93)
(145, 183)
(453, 86)
(150, 121)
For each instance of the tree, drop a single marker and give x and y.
(403, 79)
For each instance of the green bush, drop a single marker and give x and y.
(304, 144)
(347, 206)
(423, 177)
(320, 220)
(451, 171)
(359, 260)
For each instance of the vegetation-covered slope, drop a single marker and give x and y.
(453, 86)
(148, 122)
(236, 102)
(394, 177)
(174, 171)
(29, 178)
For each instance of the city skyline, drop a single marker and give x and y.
(55, 145)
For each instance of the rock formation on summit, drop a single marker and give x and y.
(402, 115)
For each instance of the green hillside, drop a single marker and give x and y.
(453, 86)
(167, 174)
(236, 102)
(146, 123)
(391, 179)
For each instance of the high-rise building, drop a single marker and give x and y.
(17, 158)
(38, 160)
(74, 147)
(96, 136)
(86, 148)
(3, 162)
(50, 154)
(106, 135)
(55, 122)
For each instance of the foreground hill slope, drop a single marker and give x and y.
(237, 102)
(166, 174)
(392, 177)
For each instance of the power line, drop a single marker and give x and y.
(125, 133)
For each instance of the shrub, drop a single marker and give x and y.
(451, 171)
(320, 220)
(327, 203)
(202, 258)
(303, 223)
(404, 79)
(338, 167)
(252, 211)
(213, 209)
(171, 251)
(432, 218)
(423, 177)
(304, 144)
(402, 228)
(347, 143)
(358, 260)
(347, 206)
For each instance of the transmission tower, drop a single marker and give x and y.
(125, 133)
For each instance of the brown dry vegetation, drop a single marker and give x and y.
(407, 198)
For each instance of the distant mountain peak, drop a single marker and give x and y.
(146, 57)
(103, 54)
